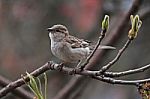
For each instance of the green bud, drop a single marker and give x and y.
(131, 18)
(136, 24)
(139, 24)
(105, 23)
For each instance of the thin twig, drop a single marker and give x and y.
(102, 35)
(128, 72)
(106, 67)
(121, 82)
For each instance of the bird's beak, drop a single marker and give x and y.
(50, 29)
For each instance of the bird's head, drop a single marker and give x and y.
(58, 29)
(58, 32)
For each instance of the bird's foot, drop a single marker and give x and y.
(75, 70)
(60, 66)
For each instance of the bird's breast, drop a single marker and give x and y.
(61, 51)
(64, 52)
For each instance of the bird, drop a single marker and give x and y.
(68, 48)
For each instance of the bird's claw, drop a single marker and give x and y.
(60, 66)
(75, 70)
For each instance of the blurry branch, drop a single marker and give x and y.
(77, 94)
(144, 13)
(18, 92)
(53, 66)
(70, 87)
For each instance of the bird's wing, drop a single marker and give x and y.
(76, 42)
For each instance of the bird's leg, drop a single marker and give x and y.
(79, 64)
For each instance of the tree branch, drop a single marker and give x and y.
(106, 67)
(52, 66)
(13, 85)
(102, 35)
(121, 82)
(128, 72)
(20, 92)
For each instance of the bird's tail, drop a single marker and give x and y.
(106, 47)
(103, 47)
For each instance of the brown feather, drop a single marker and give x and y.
(75, 42)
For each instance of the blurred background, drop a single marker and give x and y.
(25, 45)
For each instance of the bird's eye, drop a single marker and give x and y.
(57, 30)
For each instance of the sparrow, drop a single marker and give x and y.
(69, 49)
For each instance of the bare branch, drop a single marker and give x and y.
(13, 85)
(128, 72)
(121, 82)
(106, 67)
(102, 35)
(52, 66)
(101, 78)
(20, 92)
